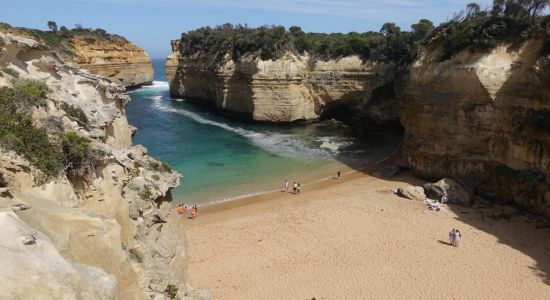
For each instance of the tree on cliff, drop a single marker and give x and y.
(53, 26)
(512, 21)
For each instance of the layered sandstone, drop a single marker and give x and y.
(115, 59)
(108, 234)
(288, 89)
(483, 118)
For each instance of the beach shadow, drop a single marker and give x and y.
(517, 234)
(444, 243)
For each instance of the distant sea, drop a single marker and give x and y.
(222, 158)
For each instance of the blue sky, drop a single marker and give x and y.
(151, 24)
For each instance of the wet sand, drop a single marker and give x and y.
(354, 239)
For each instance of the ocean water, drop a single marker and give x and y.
(222, 158)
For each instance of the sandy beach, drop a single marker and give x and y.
(354, 239)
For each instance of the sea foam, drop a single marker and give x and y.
(287, 145)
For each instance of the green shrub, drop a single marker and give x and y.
(89, 40)
(78, 154)
(171, 290)
(482, 30)
(272, 42)
(9, 71)
(159, 166)
(75, 113)
(35, 89)
(145, 194)
(17, 133)
(156, 177)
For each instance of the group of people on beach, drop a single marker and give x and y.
(182, 208)
(454, 237)
(296, 187)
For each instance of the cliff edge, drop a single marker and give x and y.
(86, 214)
(108, 55)
(483, 117)
(290, 88)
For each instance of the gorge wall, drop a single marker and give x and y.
(107, 55)
(480, 117)
(117, 60)
(485, 118)
(288, 89)
(108, 233)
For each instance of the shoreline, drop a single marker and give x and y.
(329, 241)
(237, 201)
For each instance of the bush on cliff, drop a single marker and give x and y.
(18, 133)
(272, 42)
(61, 40)
(78, 155)
(35, 90)
(512, 21)
(75, 113)
(49, 153)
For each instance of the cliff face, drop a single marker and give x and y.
(106, 55)
(107, 234)
(119, 61)
(284, 90)
(483, 118)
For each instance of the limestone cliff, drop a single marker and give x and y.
(291, 88)
(108, 233)
(483, 117)
(115, 59)
(107, 55)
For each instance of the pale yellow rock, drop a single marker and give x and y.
(288, 89)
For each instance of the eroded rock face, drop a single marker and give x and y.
(36, 269)
(484, 118)
(121, 62)
(284, 90)
(85, 231)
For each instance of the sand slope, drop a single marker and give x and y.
(355, 240)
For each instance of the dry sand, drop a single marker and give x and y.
(354, 239)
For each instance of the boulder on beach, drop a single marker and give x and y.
(411, 192)
(456, 192)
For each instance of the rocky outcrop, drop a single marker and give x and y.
(107, 55)
(288, 89)
(115, 59)
(107, 234)
(483, 118)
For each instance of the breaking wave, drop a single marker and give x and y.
(287, 145)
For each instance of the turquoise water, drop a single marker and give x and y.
(221, 158)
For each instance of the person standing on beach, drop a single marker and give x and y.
(294, 187)
(298, 187)
(338, 174)
(286, 186)
(457, 237)
(180, 210)
(452, 237)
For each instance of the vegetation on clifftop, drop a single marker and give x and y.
(61, 40)
(474, 28)
(512, 21)
(271, 42)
